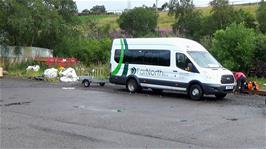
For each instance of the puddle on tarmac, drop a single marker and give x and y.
(232, 119)
(183, 121)
(17, 103)
(98, 109)
(68, 88)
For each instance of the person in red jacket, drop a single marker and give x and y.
(240, 79)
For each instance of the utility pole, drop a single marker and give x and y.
(128, 4)
(156, 10)
(156, 5)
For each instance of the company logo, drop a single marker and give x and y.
(133, 70)
(146, 72)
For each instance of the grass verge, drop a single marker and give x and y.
(260, 81)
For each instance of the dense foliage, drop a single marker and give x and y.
(260, 51)
(138, 21)
(53, 24)
(229, 33)
(234, 47)
(188, 19)
(36, 22)
(261, 16)
(236, 37)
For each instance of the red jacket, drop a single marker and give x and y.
(238, 75)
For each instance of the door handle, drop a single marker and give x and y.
(174, 70)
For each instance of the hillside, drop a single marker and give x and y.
(164, 21)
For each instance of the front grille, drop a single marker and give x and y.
(227, 79)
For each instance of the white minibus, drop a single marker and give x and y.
(168, 64)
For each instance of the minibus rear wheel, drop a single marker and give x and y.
(132, 86)
(195, 92)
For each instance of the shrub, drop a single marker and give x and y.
(234, 47)
(138, 21)
(260, 50)
(261, 17)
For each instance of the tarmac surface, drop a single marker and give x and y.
(38, 114)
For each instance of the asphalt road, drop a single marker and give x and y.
(58, 115)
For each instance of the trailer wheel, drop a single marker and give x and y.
(86, 83)
(132, 86)
(102, 84)
(195, 92)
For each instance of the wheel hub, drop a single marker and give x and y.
(131, 87)
(86, 83)
(195, 92)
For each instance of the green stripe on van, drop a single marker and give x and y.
(121, 58)
(126, 64)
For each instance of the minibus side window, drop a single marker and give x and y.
(164, 59)
(117, 55)
(145, 57)
(184, 63)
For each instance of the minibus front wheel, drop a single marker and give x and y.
(195, 92)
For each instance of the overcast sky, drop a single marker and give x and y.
(119, 5)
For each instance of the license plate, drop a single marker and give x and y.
(229, 87)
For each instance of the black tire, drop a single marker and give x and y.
(102, 84)
(195, 92)
(132, 86)
(157, 91)
(86, 83)
(220, 95)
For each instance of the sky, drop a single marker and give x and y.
(120, 5)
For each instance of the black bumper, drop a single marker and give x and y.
(117, 80)
(214, 89)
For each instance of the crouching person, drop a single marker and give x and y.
(241, 80)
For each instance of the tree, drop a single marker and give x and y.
(261, 17)
(241, 16)
(36, 22)
(138, 21)
(260, 50)
(85, 12)
(234, 47)
(222, 15)
(188, 19)
(3, 18)
(164, 6)
(65, 8)
(98, 9)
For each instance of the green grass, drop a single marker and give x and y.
(112, 20)
(19, 71)
(99, 71)
(260, 81)
(101, 20)
(248, 8)
(83, 19)
(164, 21)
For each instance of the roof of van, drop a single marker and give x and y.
(180, 43)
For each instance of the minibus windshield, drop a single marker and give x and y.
(204, 59)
